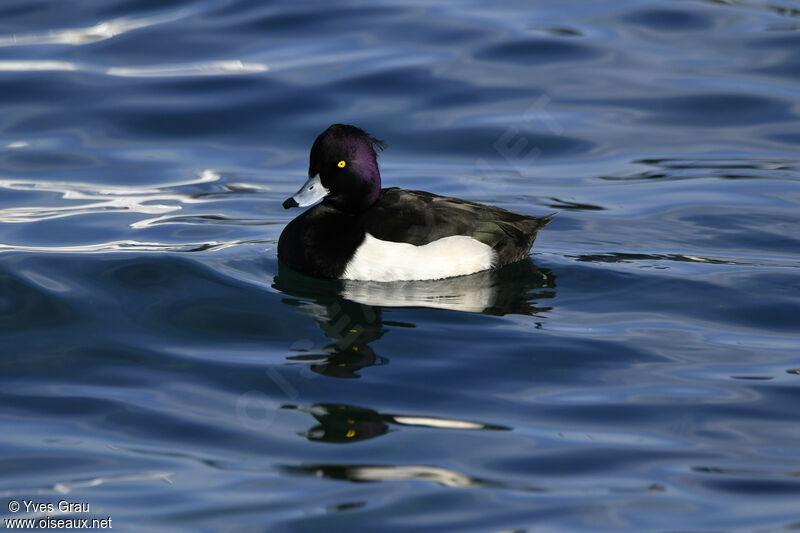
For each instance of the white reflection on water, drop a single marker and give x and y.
(449, 478)
(215, 68)
(92, 34)
(67, 487)
(208, 68)
(132, 246)
(107, 30)
(499, 291)
(92, 199)
(472, 293)
(32, 65)
(442, 476)
(513, 289)
(96, 198)
(437, 422)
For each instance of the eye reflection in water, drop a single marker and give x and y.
(349, 312)
(346, 423)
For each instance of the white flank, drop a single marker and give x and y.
(378, 260)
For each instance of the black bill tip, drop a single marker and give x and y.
(290, 202)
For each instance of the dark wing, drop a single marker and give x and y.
(418, 217)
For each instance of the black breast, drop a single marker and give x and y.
(320, 242)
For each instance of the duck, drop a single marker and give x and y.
(357, 230)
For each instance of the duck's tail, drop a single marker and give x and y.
(543, 221)
(526, 230)
(538, 223)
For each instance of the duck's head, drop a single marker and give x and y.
(342, 170)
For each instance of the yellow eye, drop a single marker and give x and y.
(341, 164)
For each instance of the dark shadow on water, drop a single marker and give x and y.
(351, 326)
(648, 260)
(702, 168)
(350, 312)
(557, 203)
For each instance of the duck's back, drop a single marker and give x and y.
(420, 218)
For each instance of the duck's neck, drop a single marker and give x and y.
(370, 182)
(356, 196)
(373, 185)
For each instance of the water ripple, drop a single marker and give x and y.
(640, 372)
(212, 68)
(109, 198)
(134, 246)
(681, 169)
(98, 32)
(208, 68)
(627, 257)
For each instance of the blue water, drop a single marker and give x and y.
(640, 373)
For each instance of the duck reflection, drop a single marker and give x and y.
(353, 326)
(495, 292)
(383, 472)
(349, 312)
(346, 423)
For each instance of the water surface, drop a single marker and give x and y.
(640, 372)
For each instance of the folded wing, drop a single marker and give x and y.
(418, 218)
